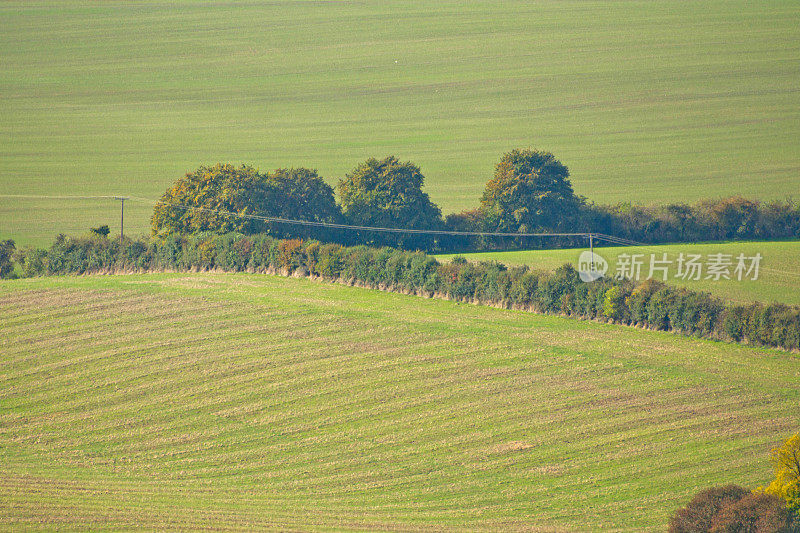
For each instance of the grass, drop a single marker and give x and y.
(643, 101)
(777, 280)
(236, 401)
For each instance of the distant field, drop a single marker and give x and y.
(778, 280)
(245, 401)
(643, 101)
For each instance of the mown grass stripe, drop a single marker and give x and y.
(370, 410)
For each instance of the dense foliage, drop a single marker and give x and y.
(733, 218)
(759, 513)
(706, 220)
(388, 193)
(7, 249)
(651, 304)
(786, 464)
(222, 197)
(530, 192)
(700, 512)
(734, 509)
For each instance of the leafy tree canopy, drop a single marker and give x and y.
(7, 249)
(530, 191)
(388, 193)
(699, 513)
(296, 193)
(786, 465)
(100, 231)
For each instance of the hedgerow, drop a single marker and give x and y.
(651, 303)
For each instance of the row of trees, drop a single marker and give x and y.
(731, 508)
(651, 303)
(530, 192)
(225, 198)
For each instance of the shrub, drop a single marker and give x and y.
(651, 303)
(7, 249)
(207, 254)
(100, 231)
(735, 321)
(465, 282)
(699, 513)
(32, 261)
(330, 260)
(659, 307)
(694, 312)
(614, 306)
(524, 287)
(556, 292)
(756, 513)
(640, 298)
(290, 254)
(490, 284)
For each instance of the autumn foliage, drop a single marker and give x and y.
(785, 461)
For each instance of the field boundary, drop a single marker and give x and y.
(415, 292)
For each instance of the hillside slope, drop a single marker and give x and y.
(777, 281)
(643, 101)
(248, 401)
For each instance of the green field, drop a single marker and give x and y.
(236, 401)
(644, 101)
(777, 281)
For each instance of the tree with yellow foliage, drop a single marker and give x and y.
(786, 464)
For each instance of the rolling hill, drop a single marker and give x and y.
(239, 401)
(643, 101)
(777, 280)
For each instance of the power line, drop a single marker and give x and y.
(612, 239)
(361, 228)
(55, 197)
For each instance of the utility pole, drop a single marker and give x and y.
(121, 216)
(591, 249)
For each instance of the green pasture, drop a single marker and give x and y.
(644, 101)
(236, 401)
(778, 278)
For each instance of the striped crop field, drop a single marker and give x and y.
(777, 281)
(644, 101)
(242, 401)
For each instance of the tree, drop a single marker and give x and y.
(388, 193)
(733, 217)
(754, 513)
(301, 194)
(32, 261)
(215, 198)
(101, 231)
(7, 248)
(201, 200)
(786, 465)
(530, 191)
(699, 513)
